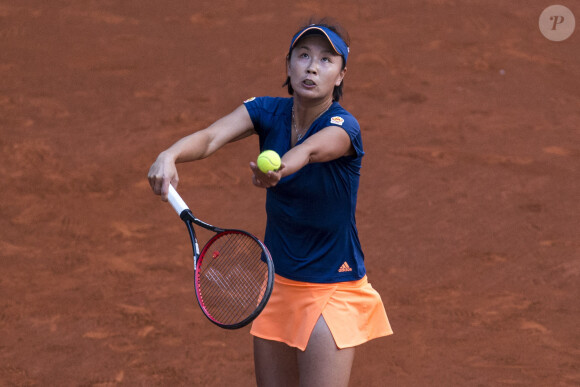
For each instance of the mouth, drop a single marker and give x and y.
(309, 83)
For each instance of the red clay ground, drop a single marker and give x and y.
(468, 207)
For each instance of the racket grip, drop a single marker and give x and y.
(176, 201)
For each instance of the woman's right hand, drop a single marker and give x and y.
(162, 173)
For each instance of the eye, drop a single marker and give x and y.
(303, 55)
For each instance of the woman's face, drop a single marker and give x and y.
(314, 68)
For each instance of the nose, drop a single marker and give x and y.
(311, 69)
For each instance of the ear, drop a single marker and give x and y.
(340, 77)
(288, 65)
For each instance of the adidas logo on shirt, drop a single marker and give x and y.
(344, 268)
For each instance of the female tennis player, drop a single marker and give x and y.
(322, 305)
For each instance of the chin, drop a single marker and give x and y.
(310, 94)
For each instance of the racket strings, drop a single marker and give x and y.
(232, 277)
(232, 292)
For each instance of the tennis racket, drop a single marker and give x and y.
(234, 272)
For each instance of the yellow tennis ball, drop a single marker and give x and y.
(268, 161)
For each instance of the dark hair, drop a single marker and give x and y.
(338, 29)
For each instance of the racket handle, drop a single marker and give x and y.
(176, 201)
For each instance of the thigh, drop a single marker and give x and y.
(323, 363)
(275, 363)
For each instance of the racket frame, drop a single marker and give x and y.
(267, 290)
(189, 219)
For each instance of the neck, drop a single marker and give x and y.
(306, 114)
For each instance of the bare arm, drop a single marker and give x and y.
(329, 144)
(197, 146)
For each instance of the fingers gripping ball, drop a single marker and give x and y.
(268, 161)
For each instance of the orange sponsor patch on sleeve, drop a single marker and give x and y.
(337, 120)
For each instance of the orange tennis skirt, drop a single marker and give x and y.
(353, 311)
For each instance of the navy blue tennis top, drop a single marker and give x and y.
(311, 229)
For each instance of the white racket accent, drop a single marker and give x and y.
(176, 201)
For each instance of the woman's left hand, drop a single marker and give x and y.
(266, 180)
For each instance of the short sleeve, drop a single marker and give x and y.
(351, 126)
(267, 113)
(255, 106)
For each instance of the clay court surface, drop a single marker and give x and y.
(468, 207)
